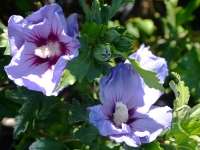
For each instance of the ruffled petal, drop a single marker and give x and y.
(37, 33)
(25, 73)
(16, 39)
(129, 139)
(149, 126)
(100, 116)
(122, 85)
(55, 17)
(72, 25)
(149, 61)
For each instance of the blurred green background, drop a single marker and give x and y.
(170, 27)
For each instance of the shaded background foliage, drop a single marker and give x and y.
(170, 27)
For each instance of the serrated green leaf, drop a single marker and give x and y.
(84, 43)
(96, 11)
(149, 76)
(192, 114)
(108, 11)
(87, 135)
(45, 107)
(95, 30)
(78, 112)
(46, 144)
(88, 13)
(27, 113)
(94, 70)
(79, 66)
(18, 95)
(67, 79)
(89, 101)
(181, 92)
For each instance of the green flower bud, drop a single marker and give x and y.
(102, 52)
(111, 35)
(125, 43)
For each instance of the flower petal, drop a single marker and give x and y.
(129, 139)
(122, 85)
(37, 33)
(16, 38)
(25, 73)
(149, 61)
(72, 25)
(149, 126)
(55, 17)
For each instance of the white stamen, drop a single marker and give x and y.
(48, 50)
(121, 113)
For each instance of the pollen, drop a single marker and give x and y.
(48, 51)
(121, 113)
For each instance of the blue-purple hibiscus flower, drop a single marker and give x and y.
(127, 114)
(40, 45)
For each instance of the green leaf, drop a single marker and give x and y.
(181, 92)
(155, 145)
(77, 69)
(187, 12)
(46, 144)
(79, 66)
(84, 43)
(108, 11)
(95, 30)
(27, 113)
(87, 134)
(79, 112)
(88, 13)
(149, 76)
(67, 79)
(45, 107)
(190, 71)
(18, 95)
(96, 11)
(94, 71)
(167, 147)
(126, 147)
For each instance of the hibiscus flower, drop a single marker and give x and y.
(127, 113)
(40, 45)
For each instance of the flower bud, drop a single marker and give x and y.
(111, 35)
(102, 52)
(125, 43)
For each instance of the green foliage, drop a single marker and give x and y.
(95, 30)
(155, 145)
(101, 13)
(185, 124)
(88, 135)
(181, 92)
(149, 76)
(46, 144)
(27, 114)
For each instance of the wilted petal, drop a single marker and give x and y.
(123, 84)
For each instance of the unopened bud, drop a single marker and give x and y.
(102, 52)
(111, 35)
(126, 43)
